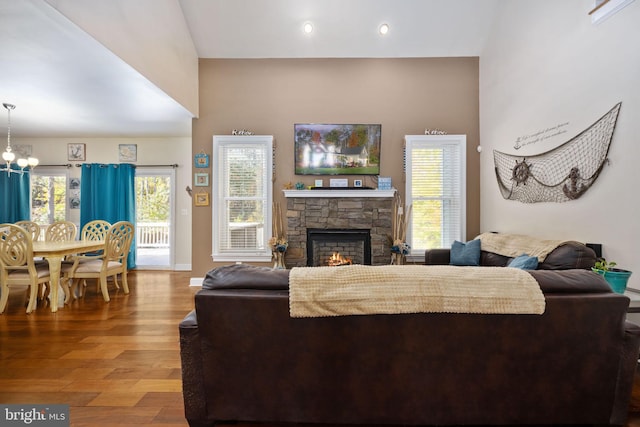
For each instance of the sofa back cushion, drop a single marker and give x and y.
(569, 255)
(566, 256)
(245, 276)
(574, 281)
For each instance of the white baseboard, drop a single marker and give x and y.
(182, 267)
(196, 281)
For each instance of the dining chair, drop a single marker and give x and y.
(17, 265)
(93, 230)
(32, 227)
(60, 231)
(113, 260)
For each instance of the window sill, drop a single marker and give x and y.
(238, 257)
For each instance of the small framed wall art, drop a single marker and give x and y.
(74, 199)
(127, 152)
(74, 183)
(201, 180)
(76, 152)
(202, 199)
(201, 160)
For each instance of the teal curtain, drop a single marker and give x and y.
(108, 192)
(15, 196)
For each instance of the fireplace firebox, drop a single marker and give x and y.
(353, 244)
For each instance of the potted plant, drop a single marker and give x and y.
(616, 277)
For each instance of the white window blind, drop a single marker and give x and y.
(242, 197)
(436, 190)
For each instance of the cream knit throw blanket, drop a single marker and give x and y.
(365, 289)
(513, 245)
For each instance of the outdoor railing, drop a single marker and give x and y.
(152, 234)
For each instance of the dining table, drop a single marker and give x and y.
(54, 253)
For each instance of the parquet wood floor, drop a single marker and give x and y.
(116, 363)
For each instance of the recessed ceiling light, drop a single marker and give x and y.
(384, 29)
(307, 28)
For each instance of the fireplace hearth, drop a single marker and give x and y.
(323, 244)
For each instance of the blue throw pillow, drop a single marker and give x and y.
(465, 253)
(524, 262)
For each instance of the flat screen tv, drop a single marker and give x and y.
(347, 149)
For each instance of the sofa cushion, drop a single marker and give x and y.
(245, 276)
(524, 262)
(570, 281)
(465, 253)
(569, 255)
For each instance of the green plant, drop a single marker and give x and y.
(604, 265)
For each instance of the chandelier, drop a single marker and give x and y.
(9, 156)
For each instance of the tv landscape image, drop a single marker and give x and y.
(325, 149)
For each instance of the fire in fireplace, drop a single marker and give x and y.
(353, 245)
(336, 259)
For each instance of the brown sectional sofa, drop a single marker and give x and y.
(245, 359)
(566, 256)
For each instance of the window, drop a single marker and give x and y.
(435, 188)
(242, 197)
(48, 195)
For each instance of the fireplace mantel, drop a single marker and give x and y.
(328, 194)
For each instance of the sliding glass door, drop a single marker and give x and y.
(155, 218)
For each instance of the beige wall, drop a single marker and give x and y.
(267, 96)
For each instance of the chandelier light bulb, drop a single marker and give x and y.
(23, 163)
(33, 162)
(8, 156)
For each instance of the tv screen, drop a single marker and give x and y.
(324, 149)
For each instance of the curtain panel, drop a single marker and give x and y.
(15, 196)
(108, 193)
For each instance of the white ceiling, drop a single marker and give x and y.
(66, 84)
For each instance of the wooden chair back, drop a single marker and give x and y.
(61, 231)
(95, 230)
(118, 242)
(16, 247)
(32, 227)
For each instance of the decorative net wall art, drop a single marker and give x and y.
(561, 174)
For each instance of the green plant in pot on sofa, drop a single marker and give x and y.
(616, 277)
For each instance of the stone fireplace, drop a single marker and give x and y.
(355, 211)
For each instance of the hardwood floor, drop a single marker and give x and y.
(116, 363)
